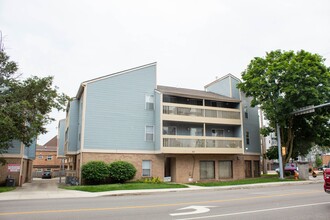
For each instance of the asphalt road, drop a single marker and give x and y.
(286, 202)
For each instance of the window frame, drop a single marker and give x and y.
(149, 133)
(231, 169)
(200, 170)
(148, 168)
(247, 137)
(148, 105)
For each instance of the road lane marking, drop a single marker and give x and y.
(256, 211)
(152, 206)
(198, 210)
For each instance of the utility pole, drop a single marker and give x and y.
(279, 149)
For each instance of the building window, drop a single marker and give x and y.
(246, 113)
(149, 133)
(169, 130)
(207, 170)
(40, 157)
(217, 132)
(146, 168)
(225, 169)
(247, 137)
(149, 102)
(49, 157)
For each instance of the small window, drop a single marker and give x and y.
(149, 102)
(247, 137)
(149, 133)
(40, 157)
(49, 157)
(246, 113)
(146, 168)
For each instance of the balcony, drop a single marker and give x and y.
(203, 114)
(201, 144)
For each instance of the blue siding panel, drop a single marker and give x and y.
(158, 128)
(235, 90)
(80, 110)
(116, 117)
(30, 151)
(251, 124)
(14, 147)
(73, 125)
(221, 87)
(61, 138)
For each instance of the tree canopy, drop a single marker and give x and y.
(25, 104)
(284, 81)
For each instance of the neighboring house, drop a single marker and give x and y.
(46, 159)
(19, 159)
(181, 134)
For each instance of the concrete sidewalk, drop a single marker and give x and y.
(48, 189)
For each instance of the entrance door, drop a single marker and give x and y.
(248, 169)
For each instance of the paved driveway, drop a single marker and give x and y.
(42, 189)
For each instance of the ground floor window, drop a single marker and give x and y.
(207, 170)
(146, 168)
(248, 169)
(225, 169)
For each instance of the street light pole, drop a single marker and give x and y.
(279, 150)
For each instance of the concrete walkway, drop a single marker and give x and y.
(48, 189)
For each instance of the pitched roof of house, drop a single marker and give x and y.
(82, 85)
(52, 142)
(194, 93)
(221, 78)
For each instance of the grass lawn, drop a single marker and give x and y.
(268, 178)
(6, 189)
(125, 186)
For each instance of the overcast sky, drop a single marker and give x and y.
(193, 42)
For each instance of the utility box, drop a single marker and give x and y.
(10, 182)
(303, 170)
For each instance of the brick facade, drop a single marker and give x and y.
(184, 168)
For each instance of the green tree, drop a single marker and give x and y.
(284, 81)
(25, 104)
(318, 161)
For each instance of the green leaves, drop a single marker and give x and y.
(284, 81)
(25, 104)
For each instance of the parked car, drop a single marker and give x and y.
(46, 175)
(290, 167)
(326, 176)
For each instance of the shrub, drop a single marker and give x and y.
(121, 171)
(152, 180)
(95, 172)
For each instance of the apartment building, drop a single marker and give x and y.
(46, 159)
(19, 159)
(178, 134)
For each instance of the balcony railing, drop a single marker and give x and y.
(198, 112)
(207, 142)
